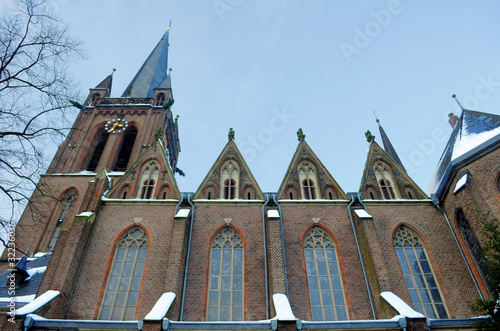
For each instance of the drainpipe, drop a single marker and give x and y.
(189, 197)
(265, 253)
(435, 201)
(282, 242)
(353, 197)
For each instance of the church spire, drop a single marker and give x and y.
(388, 146)
(153, 73)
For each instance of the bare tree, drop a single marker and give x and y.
(35, 90)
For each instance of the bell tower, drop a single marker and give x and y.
(107, 140)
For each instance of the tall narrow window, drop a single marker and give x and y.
(61, 210)
(125, 150)
(424, 292)
(384, 189)
(309, 191)
(229, 189)
(326, 291)
(160, 99)
(307, 177)
(148, 180)
(229, 180)
(225, 283)
(384, 176)
(473, 245)
(99, 148)
(122, 290)
(147, 189)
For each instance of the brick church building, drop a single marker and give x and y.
(121, 247)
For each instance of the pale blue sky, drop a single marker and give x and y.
(267, 68)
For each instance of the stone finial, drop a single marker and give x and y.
(230, 136)
(300, 135)
(369, 136)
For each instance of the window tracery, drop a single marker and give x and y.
(148, 179)
(230, 180)
(308, 179)
(326, 290)
(225, 284)
(421, 284)
(124, 282)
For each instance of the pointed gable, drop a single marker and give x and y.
(384, 179)
(307, 178)
(229, 178)
(150, 177)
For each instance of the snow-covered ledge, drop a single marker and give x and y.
(161, 307)
(38, 303)
(283, 309)
(401, 306)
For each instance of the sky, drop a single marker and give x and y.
(268, 68)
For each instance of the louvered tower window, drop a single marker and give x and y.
(473, 245)
(225, 284)
(420, 281)
(326, 291)
(125, 150)
(99, 148)
(124, 282)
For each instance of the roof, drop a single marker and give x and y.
(25, 292)
(106, 83)
(389, 149)
(152, 74)
(474, 132)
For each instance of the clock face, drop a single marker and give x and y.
(116, 125)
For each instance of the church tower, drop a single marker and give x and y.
(108, 137)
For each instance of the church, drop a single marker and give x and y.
(118, 246)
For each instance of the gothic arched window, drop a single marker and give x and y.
(420, 281)
(229, 180)
(225, 283)
(383, 173)
(326, 291)
(99, 148)
(148, 179)
(124, 281)
(125, 150)
(307, 177)
(473, 245)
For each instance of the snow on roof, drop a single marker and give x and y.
(400, 305)
(85, 214)
(471, 133)
(33, 271)
(362, 213)
(283, 309)
(161, 307)
(461, 183)
(273, 213)
(38, 303)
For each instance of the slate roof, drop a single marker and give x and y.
(473, 132)
(29, 287)
(152, 74)
(389, 149)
